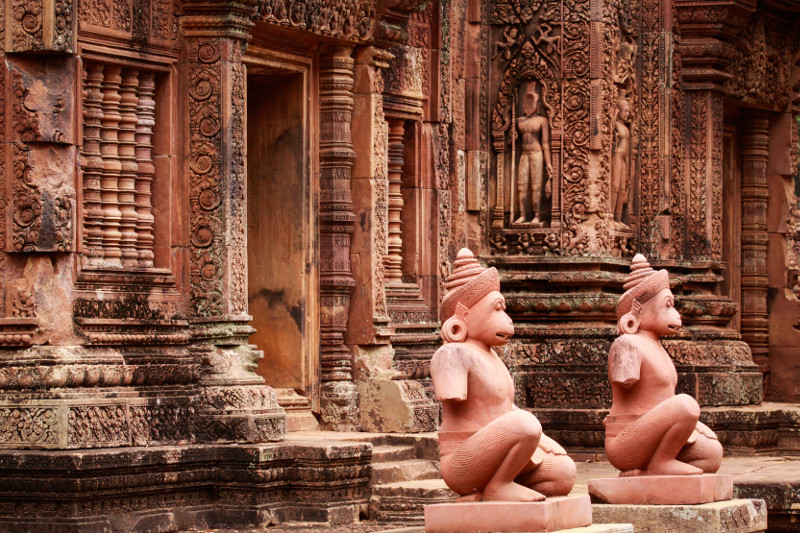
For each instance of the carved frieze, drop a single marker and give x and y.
(141, 21)
(351, 20)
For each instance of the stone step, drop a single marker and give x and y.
(408, 470)
(387, 453)
(404, 500)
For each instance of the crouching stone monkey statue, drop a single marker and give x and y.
(489, 449)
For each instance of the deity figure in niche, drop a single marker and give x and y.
(620, 157)
(489, 448)
(650, 430)
(535, 162)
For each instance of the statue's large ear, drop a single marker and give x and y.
(454, 329)
(629, 323)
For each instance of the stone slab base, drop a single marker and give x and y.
(553, 514)
(731, 516)
(174, 488)
(662, 490)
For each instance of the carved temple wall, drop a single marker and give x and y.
(223, 220)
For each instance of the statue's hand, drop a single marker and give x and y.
(705, 431)
(693, 437)
(550, 446)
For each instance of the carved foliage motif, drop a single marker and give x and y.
(28, 20)
(206, 225)
(650, 117)
(352, 20)
(98, 425)
(381, 207)
(677, 183)
(698, 238)
(63, 26)
(27, 23)
(31, 425)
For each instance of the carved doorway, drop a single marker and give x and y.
(282, 249)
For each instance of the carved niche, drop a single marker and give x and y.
(526, 38)
(580, 58)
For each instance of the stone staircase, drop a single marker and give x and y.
(405, 473)
(405, 476)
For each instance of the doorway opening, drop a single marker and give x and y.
(283, 292)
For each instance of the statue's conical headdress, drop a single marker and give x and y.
(468, 283)
(641, 284)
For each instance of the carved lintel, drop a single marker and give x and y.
(353, 21)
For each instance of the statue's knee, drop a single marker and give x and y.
(713, 456)
(563, 474)
(525, 423)
(686, 407)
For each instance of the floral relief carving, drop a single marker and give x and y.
(164, 23)
(27, 18)
(206, 223)
(21, 425)
(95, 13)
(98, 425)
(121, 15)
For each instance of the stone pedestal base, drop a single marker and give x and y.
(662, 490)
(731, 516)
(553, 514)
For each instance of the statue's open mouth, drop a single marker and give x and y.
(673, 328)
(503, 336)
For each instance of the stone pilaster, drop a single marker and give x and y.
(338, 395)
(755, 240)
(234, 404)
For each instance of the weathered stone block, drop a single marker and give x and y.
(731, 516)
(43, 197)
(40, 99)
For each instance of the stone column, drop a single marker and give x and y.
(234, 404)
(338, 394)
(755, 153)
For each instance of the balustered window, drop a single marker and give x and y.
(117, 164)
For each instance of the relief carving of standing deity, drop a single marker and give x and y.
(620, 157)
(535, 170)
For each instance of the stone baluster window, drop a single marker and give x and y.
(117, 166)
